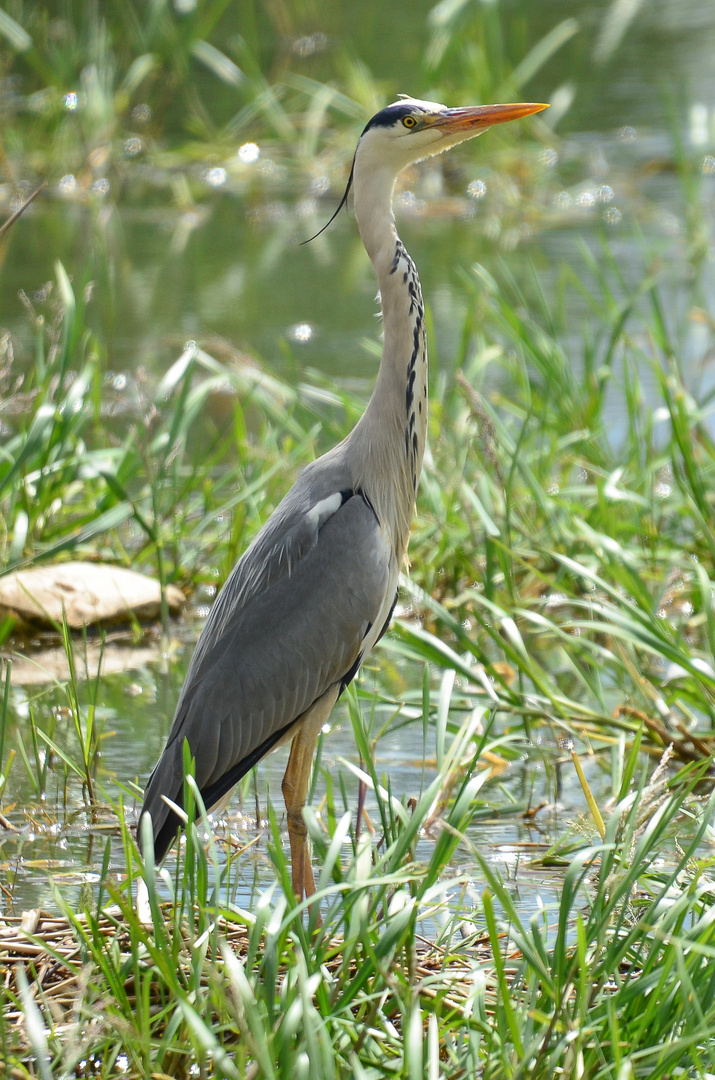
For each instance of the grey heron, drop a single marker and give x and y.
(316, 589)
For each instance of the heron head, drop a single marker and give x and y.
(409, 129)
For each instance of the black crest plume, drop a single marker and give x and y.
(343, 202)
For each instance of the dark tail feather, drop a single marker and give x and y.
(165, 780)
(164, 835)
(168, 779)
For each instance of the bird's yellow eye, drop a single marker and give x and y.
(409, 121)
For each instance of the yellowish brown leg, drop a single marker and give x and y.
(295, 791)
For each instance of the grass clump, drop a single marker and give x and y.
(401, 977)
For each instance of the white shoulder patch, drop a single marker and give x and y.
(325, 509)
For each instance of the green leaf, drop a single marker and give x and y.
(14, 33)
(217, 62)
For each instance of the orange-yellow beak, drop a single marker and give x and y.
(478, 117)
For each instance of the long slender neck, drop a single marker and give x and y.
(389, 439)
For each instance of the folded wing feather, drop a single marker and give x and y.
(290, 622)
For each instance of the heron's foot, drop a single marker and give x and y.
(306, 886)
(299, 857)
(302, 877)
(302, 871)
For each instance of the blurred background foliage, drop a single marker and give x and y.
(188, 147)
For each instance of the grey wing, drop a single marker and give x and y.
(290, 623)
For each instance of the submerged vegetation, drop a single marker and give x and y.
(559, 615)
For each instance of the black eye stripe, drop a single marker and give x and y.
(389, 116)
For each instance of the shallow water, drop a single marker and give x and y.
(57, 846)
